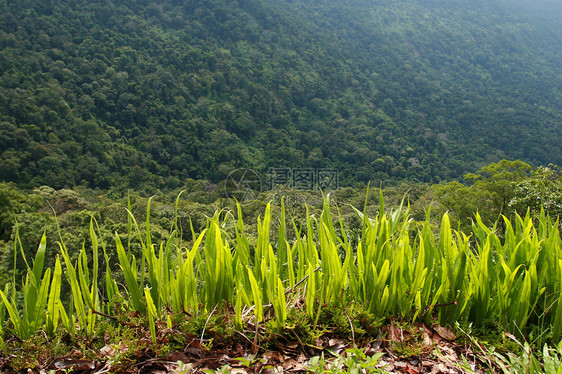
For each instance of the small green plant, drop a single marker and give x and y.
(353, 361)
(39, 304)
(552, 359)
(317, 364)
(225, 369)
(527, 362)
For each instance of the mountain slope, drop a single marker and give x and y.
(117, 93)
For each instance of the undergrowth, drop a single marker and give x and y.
(219, 290)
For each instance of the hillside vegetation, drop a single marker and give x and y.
(291, 285)
(109, 94)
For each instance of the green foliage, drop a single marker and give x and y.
(388, 274)
(527, 363)
(514, 279)
(490, 193)
(122, 93)
(352, 361)
(39, 304)
(542, 192)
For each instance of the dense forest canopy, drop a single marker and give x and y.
(119, 93)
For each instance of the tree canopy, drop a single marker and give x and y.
(120, 93)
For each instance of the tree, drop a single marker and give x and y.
(489, 192)
(499, 180)
(542, 190)
(462, 202)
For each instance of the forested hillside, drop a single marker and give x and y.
(136, 92)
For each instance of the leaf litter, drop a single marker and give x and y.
(411, 349)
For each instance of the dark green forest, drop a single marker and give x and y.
(134, 93)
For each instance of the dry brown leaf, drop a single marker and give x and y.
(107, 351)
(73, 364)
(428, 362)
(387, 365)
(293, 365)
(448, 351)
(412, 370)
(400, 364)
(194, 352)
(445, 333)
(370, 351)
(428, 330)
(292, 345)
(336, 345)
(427, 341)
(178, 356)
(439, 369)
(272, 357)
(395, 334)
(301, 358)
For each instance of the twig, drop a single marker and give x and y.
(249, 340)
(45, 335)
(105, 369)
(104, 315)
(299, 339)
(301, 281)
(207, 321)
(429, 307)
(352, 329)
(255, 343)
(454, 302)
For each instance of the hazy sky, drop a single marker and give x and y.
(535, 4)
